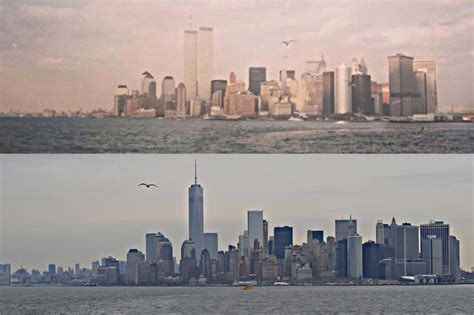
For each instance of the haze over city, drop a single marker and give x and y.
(71, 54)
(78, 208)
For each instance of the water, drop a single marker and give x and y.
(454, 299)
(88, 135)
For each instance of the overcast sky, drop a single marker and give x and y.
(70, 54)
(78, 208)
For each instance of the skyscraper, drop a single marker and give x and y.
(405, 241)
(148, 85)
(361, 94)
(134, 256)
(255, 227)
(379, 232)
(316, 66)
(196, 215)
(402, 83)
(120, 99)
(219, 85)
(211, 244)
(343, 90)
(432, 253)
(5, 274)
(315, 235)
(190, 63)
(328, 93)
(265, 235)
(205, 60)
(354, 256)
(287, 74)
(441, 231)
(429, 67)
(283, 236)
(168, 89)
(454, 256)
(345, 227)
(257, 75)
(181, 100)
(420, 105)
(153, 243)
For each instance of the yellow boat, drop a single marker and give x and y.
(248, 287)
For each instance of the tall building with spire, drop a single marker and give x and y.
(196, 214)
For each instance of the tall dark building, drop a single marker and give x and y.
(328, 93)
(372, 254)
(402, 81)
(51, 269)
(341, 258)
(283, 236)
(218, 85)
(257, 75)
(316, 235)
(361, 94)
(440, 230)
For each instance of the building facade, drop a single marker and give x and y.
(257, 75)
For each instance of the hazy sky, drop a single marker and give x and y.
(70, 54)
(78, 208)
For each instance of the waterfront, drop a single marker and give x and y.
(88, 135)
(453, 299)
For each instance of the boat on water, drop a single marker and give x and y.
(248, 287)
(295, 119)
(279, 283)
(339, 122)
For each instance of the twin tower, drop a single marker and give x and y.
(198, 63)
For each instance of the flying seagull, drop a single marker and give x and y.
(287, 42)
(148, 185)
(421, 130)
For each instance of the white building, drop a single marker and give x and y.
(148, 84)
(134, 256)
(190, 63)
(181, 100)
(343, 90)
(205, 61)
(255, 227)
(168, 89)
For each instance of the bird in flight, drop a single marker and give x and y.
(287, 42)
(148, 185)
(420, 131)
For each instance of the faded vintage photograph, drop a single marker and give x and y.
(204, 76)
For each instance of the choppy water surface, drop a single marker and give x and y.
(87, 135)
(454, 299)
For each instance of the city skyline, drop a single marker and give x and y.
(81, 224)
(84, 69)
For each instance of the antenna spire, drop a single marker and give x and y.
(195, 172)
(190, 22)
